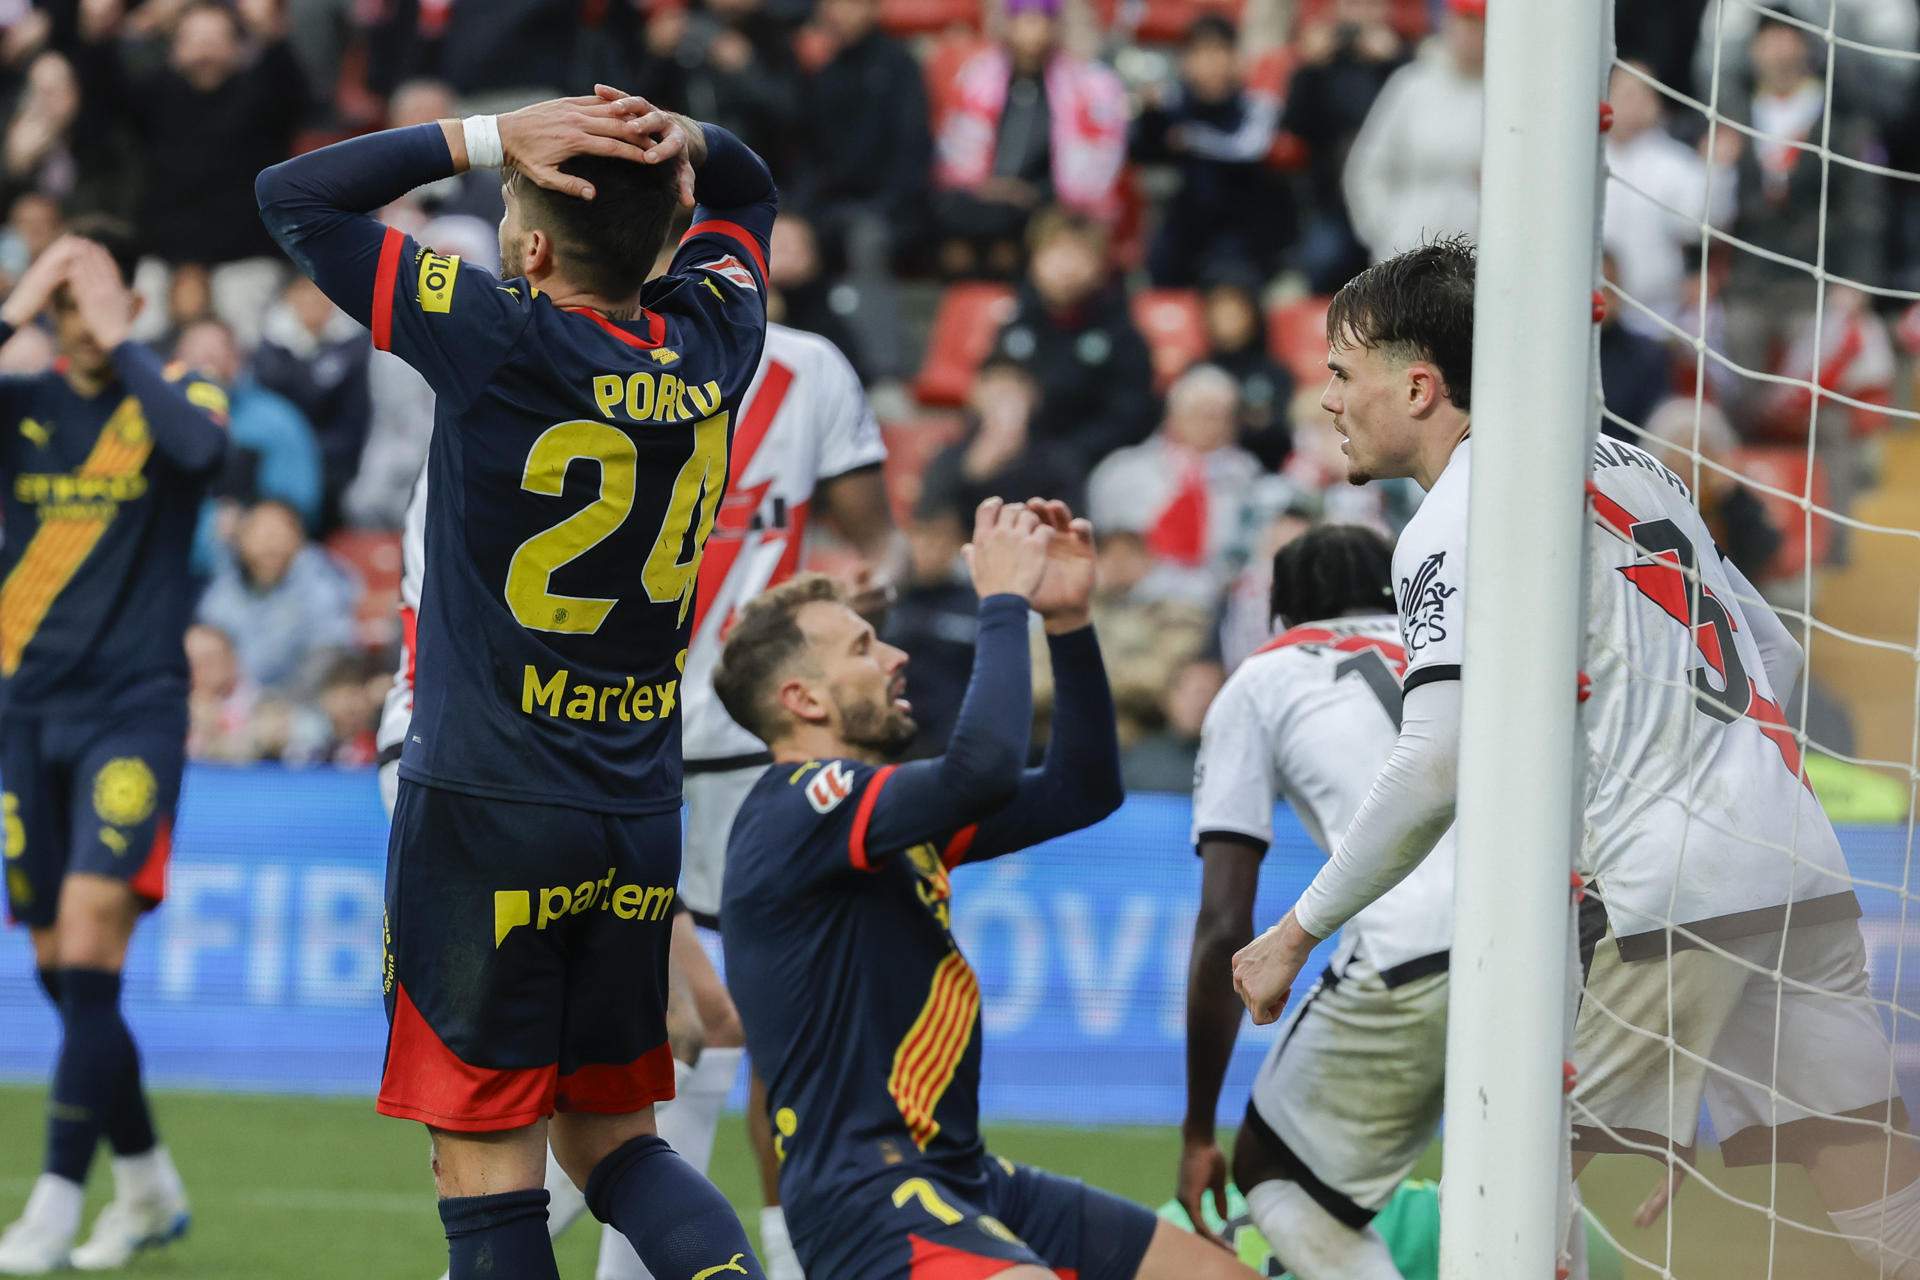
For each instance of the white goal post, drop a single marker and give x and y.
(1534, 418)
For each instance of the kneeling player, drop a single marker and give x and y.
(1349, 1097)
(861, 1012)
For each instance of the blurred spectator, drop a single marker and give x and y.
(220, 699)
(1657, 194)
(287, 607)
(40, 135)
(471, 196)
(1231, 209)
(730, 62)
(34, 221)
(1344, 62)
(1073, 330)
(1849, 353)
(1413, 172)
(223, 107)
(1785, 193)
(935, 618)
(1661, 35)
(351, 706)
(265, 426)
(861, 173)
(398, 435)
(1866, 80)
(1143, 638)
(1001, 457)
(1277, 512)
(802, 297)
(519, 52)
(1163, 759)
(1237, 343)
(1183, 490)
(1683, 428)
(1636, 368)
(1031, 125)
(316, 356)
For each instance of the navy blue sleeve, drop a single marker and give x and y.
(187, 416)
(452, 323)
(717, 281)
(1079, 782)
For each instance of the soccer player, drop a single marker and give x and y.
(105, 461)
(1349, 1096)
(578, 459)
(861, 1014)
(1758, 945)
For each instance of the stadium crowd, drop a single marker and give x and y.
(1074, 247)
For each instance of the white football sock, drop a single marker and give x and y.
(147, 1176)
(1312, 1243)
(777, 1257)
(565, 1203)
(55, 1204)
(1887, 1232)
(688, 1122)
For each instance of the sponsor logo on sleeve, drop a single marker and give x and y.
(731, 269)
(827, 788)
(437, 274)
(1423, 605)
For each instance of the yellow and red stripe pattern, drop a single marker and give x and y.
(930, 1053)
(61, 544)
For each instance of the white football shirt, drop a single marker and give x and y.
(1694, 808)
(1313, 715)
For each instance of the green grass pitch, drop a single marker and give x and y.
(287, 1187)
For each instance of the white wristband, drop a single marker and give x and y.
(483, 142)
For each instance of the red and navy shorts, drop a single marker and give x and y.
(93, 794)
(525, 960)
(928, 1220)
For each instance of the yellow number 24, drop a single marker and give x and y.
(672, 568)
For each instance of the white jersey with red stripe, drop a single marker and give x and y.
(804, 419)
(1312, 716)
(397, 712)
(1697, 813)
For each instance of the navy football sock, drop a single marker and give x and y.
(96, 1052)
(129, 1122)
(499, 1237)
(50, 983)
(674, 1218)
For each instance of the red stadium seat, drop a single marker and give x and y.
(1163, 21)
(911, 445)
(906, 18)
(1297, 338)
(1175, 329)
(970, 316)
(1784, 467)
(372, 555)
(941, 70)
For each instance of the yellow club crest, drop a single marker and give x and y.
(124, 791)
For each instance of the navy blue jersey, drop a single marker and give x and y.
(102, 497)
(576, 466)
(862, 1016)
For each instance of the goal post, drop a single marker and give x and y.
(1534, 416)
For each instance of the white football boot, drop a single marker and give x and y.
(43, 1237)
(148, 1209)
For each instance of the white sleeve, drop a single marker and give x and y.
(1234, 787)
(1780, 653)
(1407, 810)
(1370, 181)
(850, 434)
(1429, 575)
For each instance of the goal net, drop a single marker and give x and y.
(1756, 315)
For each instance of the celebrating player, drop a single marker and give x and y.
(578, 460)
(1349, 1097)
(106, 461)
(861, 1014)
(1761, 975)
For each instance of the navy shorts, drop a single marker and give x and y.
(89, 794)
(525, 960)
(929, 1221)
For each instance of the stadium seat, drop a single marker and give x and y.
(969, 317)
(1175, 329)
(911, 445)
(1163, 21)
(1297, 338)
(373, 556)
(908, 18)
(1784, 467)
(941, 69)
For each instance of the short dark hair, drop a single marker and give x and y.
(1211, 26)
(1416, 305)
(113, 235)
(1329, 570)
(764, 638)
(608, 244)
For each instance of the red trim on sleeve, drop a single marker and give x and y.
(656, 327)
(734, 231)
(857, 839)
(410, 644)
(956, 851)
(383, 289)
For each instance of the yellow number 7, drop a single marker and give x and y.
(922, 1190)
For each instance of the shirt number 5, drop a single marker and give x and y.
(672, 566)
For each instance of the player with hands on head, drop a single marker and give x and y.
(105, 462)
(583, 414)
(861, 1013)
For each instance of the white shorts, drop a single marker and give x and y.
(1645, 1064)
(1355, 1082)
(390, 785)
(713, 800)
